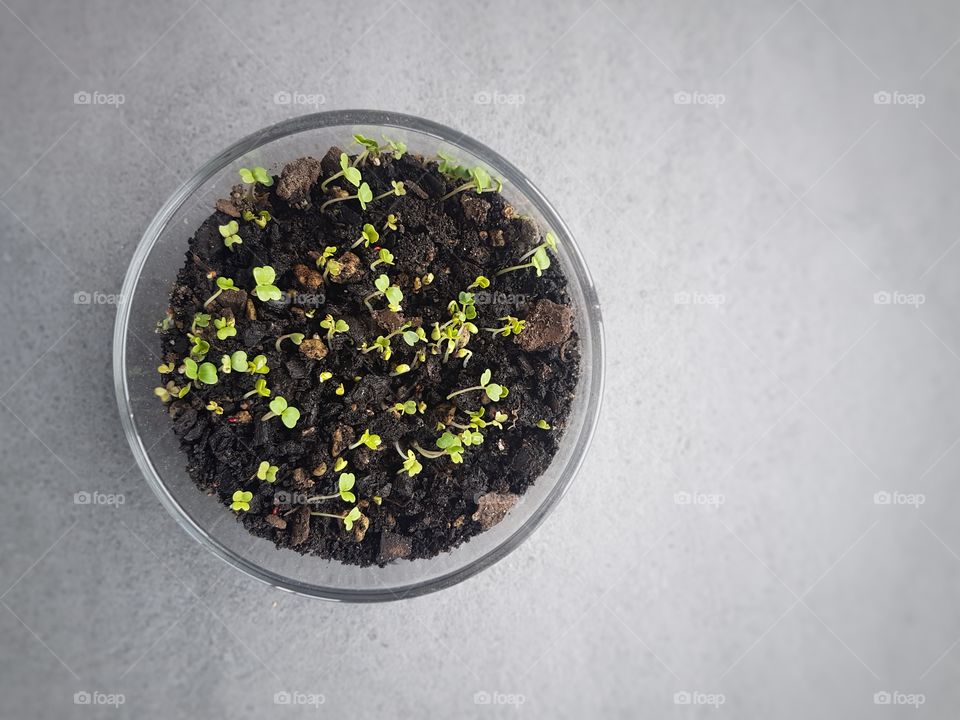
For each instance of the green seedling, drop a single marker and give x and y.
(260, 219)
(382, 343)
(405, 408)
(397, 148)
(367, 438)
(339, 464)
(288, 414)
(200, 320)
(396, 188)
(198, 347)
(214, 407)
(333, 326)
(229, 234)
(384, 257)
(422, 281)
(223, 283)
(205, 373)
(258, 366)
(170, 391)
(259, 388)
(363, 195)
(392, 293)
(368, 236)
(391, 223)
(494, 391)
(235, 361)
(400, 369)
(166, 368)
(344, 486)
(266, 472)
(543, 424)
(452, 168)
(340, 390)
(481, 282)
(325, 375)
(479, 180)
(512, 326)
(226, 327)
(539, 258)
(326, 261)
(449, 445)
(347, 172)
(471, 437)
(411, 466)
(265, 289)
(256, 175)
(295, 338)
(348, 519)
(241, 501)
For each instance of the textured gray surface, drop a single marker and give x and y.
(795, 399)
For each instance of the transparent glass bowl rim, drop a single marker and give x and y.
(576, 270)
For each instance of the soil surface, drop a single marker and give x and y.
(342, 391)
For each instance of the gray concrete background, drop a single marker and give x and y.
(737, 247)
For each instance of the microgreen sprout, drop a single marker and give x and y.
(471, 437)
(391, 222)
(396, 188)
(411, 465)
(223, 283)
(265, 289)
(481, 282)
(382, 343)
(165, 368)
(368, 236)
(512, 326)
(267, 472)
(347, 171)
(200, 320)
(455, 333)
(384, 256)
(423, 281)
(326, 261)
(235, 361)
(241, 500)
(229, 234)
(363, 195)
(214, 407)
(340, 389)
(226, 327)
(339, 464)
(480, 181)
(295, 338)
(279, 407)
(396, 147)
(260, 219)
(256, 175)
(325, 375)
(392, 293)
(198, 347)
(539, 259)
(258, 366)
(333, 326)
(345, 484)
(449, 444)
(367, 438)
(204, 372)
(543, 424)
(170, 391)
(348, 519)
(450, 167)
(400, 369)
(494, 391)
(259, 388)
(409, 407)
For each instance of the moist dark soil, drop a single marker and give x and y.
(457, 240)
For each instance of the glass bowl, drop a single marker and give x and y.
(145, 293)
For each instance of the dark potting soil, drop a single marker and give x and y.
(457, 240)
